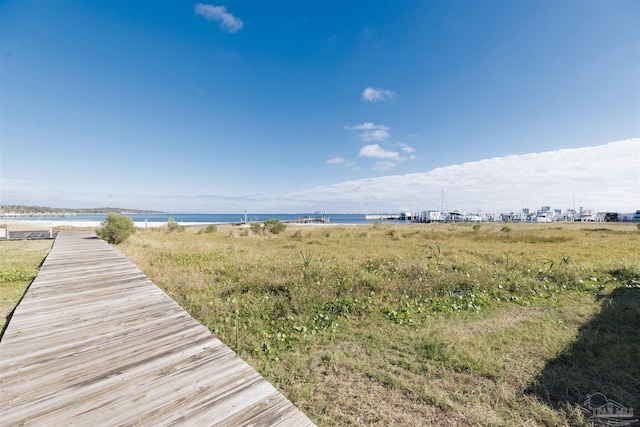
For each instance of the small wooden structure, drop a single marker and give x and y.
(26, 231)
(95, 342)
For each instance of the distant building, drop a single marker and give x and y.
(455, 216)
(431, 216)
(545, 216)
(515, 216)
(611, 217)
(473, 218)
(405, 216)
(587, 215)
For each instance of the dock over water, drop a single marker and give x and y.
(95, 342)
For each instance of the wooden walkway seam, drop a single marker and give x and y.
(95, 342)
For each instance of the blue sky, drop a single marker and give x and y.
(220, 107)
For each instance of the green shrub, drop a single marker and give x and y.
(173, 226)
(256, 228)
(211, 228)
(274, 226)
(506, 229)
(116, 229)
(476, 227)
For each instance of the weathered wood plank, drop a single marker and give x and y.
(94, 341)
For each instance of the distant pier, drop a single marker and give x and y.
(301, 220)
(381, 217)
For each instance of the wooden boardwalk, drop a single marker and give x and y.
(95, 342)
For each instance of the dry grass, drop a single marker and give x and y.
(414, 324)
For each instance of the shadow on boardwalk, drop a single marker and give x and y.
(605, 358)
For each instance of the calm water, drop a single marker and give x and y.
(210, 218)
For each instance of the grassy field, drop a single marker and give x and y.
(505, 324)
(418, 324)
(19, 262)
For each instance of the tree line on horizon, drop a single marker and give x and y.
(25, 210)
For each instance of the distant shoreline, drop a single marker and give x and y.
(24, 225)
(48, 224)
(11, 211)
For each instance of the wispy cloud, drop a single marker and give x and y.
(384, 165)
(376, 94)
(343, 163)
(335, 161)
(371, 131)
(219, 13)
(406, 148)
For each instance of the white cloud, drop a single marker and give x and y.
(376, 94)
(603, 178)
(374, 150)
(366, 126)
(405, 148)
(371, 131)
(384, 165)
(219, 13)
(376, 135)
(336, 161)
